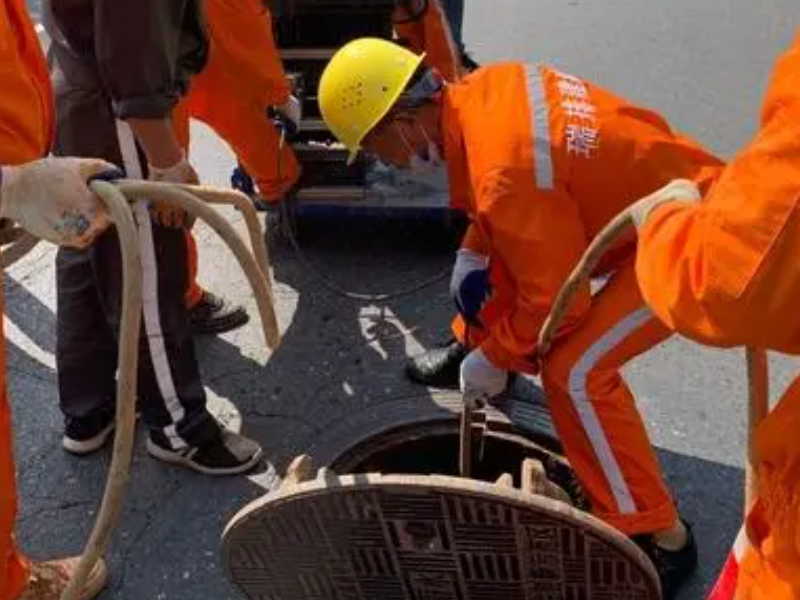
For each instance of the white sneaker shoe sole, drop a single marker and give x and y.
(83, 447)
(176, 458)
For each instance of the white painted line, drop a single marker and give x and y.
(24, 342)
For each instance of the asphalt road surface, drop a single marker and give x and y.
(703, 64)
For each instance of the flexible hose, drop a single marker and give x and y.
(758, 408)
(245, 206)
(117, 197)
(579, 275)
(130, 323)
(188, 202)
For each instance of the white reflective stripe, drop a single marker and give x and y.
(587, 414)
(150, 307)
(540, 127)
(127, 147)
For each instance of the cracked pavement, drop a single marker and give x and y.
(341, 358)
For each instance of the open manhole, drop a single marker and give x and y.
(431, 448)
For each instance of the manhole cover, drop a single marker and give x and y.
(395, 537)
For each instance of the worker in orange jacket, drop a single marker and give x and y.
(725, 272)
(242, 78)
(540, 161)
(48, 197)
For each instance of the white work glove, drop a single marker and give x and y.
(677, 190)
(469, 284)
(181, 172)
(480, 380)
(292, 109)
(50, 198)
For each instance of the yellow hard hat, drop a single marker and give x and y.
(360, 85)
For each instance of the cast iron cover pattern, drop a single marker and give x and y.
(396, 542)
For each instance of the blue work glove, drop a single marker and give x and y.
(480, 380)
(469, 284)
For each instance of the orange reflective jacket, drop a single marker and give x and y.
(726, 272)
(431, 34)
(541, 161)
(26, 100)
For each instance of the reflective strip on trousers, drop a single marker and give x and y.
(150, 305)
(578, 377)
(540, 127)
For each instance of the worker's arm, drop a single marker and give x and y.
(146, 52)
(696, 262)
(538, 237)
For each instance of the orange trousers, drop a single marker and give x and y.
(242, 78)
(13, 566)
(595, 413)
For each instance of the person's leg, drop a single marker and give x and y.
(83, 337)
(596, 415)
(84, 127)
(454, 9)
(171, 394)
(208, 313)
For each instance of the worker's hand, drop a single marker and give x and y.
(181, 172)
(50, 198)
(469, 284)
(480, 380)
(677, 190)
(292, 110)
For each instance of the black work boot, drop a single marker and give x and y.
(214, 315)
(673, 567)
(438, 367)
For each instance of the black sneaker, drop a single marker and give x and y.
(85, 435)
(214, 315)
(673, 567)
(228, 454)
(438, 367)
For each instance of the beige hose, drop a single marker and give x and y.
(244, 205)
(581, 274)
(117, 197)
(119, 470)
(187, 201)
(758, 408)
